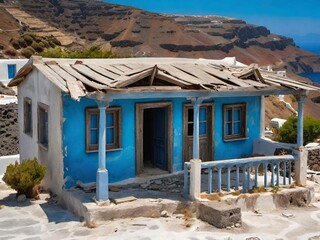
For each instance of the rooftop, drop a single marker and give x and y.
(87, 76)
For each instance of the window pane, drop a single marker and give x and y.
(110, 136)
(229, 115)
(190, 129)
(203, 114)
(94, 120)
(93, 136)
(110, 119)
(203, 128)
(190, 115)
(237, 128)
(228, 128)
(236, 114)
(11, 70)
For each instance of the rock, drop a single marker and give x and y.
(145, 185)
(237, 225)
(253, 238)
(164, 213)
(287, 215)
(228, 228)
(314, 238)
(158, 182)
(21, 198)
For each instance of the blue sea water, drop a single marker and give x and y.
(315, 76)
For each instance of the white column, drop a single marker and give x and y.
(262, 116)
(102, 182)
(195, 163)
(300, 121)
(195, 178)
(301, 163)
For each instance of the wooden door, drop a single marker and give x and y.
(205, 132)
(159, 140)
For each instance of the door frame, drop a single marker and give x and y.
(140, 107)
(185, 129)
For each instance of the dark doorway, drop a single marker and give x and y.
(154, 138)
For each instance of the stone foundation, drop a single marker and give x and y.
(9, 129)
(314, 159)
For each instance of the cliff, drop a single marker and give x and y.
(128, 30)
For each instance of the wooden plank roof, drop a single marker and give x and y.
(80, 77)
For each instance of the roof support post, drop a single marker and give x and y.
(300, 99)
(301, 163)
(195, 163)
(196, 108)
(262, 116)
(102, 182)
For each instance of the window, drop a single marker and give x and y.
(113, 131)
(12, 70)
(202, 121)
(234, 121)
(43, 125)
(27, 116)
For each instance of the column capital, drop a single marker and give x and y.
(103, 104)
(300, 98)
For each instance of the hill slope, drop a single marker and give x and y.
(133, 31)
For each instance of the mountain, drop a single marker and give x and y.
(31, 26)
(128, 30)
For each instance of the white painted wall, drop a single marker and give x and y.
(4, 67)
(267, 147)
(6, 161)
(39, 89)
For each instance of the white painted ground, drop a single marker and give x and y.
(40, 220)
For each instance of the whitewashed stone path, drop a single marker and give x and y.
(41, 220)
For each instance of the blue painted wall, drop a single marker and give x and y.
(237, 148)
(82, 165)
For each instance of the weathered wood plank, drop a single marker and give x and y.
(287, 80)
(170, 79)
(288, 83)
(92, 74)
(180, 74)
(103, 71)
(75, 89)
(255, 83)
(111, 69)
(52, 76)
(122, 67)
(124, 81)
(139, 65)
(199, 73)
(154, 88)
(223, 75)
(137, 70)
(82, 78)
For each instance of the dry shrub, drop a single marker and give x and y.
(90, 225)
(188, 217)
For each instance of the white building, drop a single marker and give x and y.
(9, 68)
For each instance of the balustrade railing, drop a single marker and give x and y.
(245, 167)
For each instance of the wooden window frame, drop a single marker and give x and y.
(45, 108)
(243, 121)
(117, 129)
(27, 117)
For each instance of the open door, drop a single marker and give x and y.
(153, 136)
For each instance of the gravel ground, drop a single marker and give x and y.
(43, 219)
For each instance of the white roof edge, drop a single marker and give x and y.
(231, 61)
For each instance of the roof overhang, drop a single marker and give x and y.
(174, 77)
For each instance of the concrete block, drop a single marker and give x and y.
(219, 214)
(295, 197)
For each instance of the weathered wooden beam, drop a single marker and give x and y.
(92, 74)
(82, 78)
(52, 76)
(127, 80)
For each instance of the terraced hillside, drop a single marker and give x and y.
(128, 30)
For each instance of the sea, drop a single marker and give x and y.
(314, 76)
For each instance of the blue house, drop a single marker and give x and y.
(108, 120)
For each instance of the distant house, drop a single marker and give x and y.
(113, 119)
(9, 68)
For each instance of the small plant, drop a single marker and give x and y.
(292, 185)
(25, 177)
(275, 190)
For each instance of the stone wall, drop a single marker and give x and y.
(314, 159)
(9, 129)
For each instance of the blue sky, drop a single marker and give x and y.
(299, 19)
